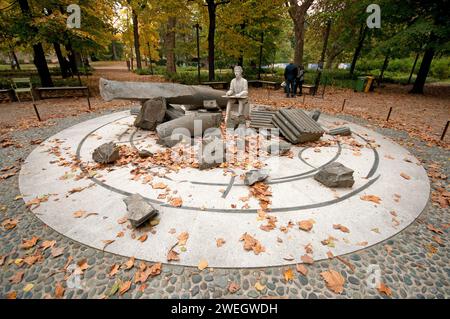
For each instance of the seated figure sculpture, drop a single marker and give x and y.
(238, 92)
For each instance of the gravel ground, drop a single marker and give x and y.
(411, 270)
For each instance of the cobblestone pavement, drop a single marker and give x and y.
(416, 267)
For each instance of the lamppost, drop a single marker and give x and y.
(197, 27)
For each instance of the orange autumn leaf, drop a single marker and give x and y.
(143, 238)
(302, 269)
(307, 259)
(172, 255)
(341, 228)
(113, 271)
(334, 280)
(182, 238)
(9, 223)
(26, 244)
(202, 264)
(48, 244)
(79, 213)
(159, 185)
(371, 198)
(220, 242)
(176, 202)
(382, 288)
(288, 275)
(124, 287)
(434, 229)
(129, 264)
(306, 225)
(251, 243)
(59, 290)
(107, 242)
(17, 278)
(405, 176)
(11, 295)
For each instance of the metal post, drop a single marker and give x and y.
(445, 131)
(343, 105)
(304, 95)
(389, 114)
(37, 113)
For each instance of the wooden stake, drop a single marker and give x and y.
(445, 130)
(343, 105)
(389, 114)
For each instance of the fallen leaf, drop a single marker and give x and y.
(9, 223)
(202, 264)
(405, 176)
(57, 251)
(182, 238)
(79, 213)
(251, 243)
(59, 290)
(438, 240)
(107, 242)
(176, 202)
(362, 243)
(11, 295)
(120, 234)
(341, 228)
(48, 244)
(334, 280)
(124, 287)
(288, 275)
(143, 238)
(26, 244)
(114, 270)
(307, 259)
(306, 225)
(122, 220)
(371, 198)
(28, 287)
(159, 185)
(172, 255)
(220, 242)
(382, 288)
(302, 269)
(434, 229)
(233, 287)
(17, 278)
(259, 286)
(388, 249)
(347, 263)
(129, 264)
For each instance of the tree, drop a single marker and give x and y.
(39, 56)
(298, 12)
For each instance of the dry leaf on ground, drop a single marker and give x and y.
(334, 280)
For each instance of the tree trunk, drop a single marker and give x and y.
(72, 58)
(62, 62)
(423, 71)
(211, 33)
(362, 36)
(413, 68)
(136, 39)
(39, 55)
(171, 65)
(383, 68)
(322, 57)
(14, 58)
(113, 49)
(298, 16)
(260, 55)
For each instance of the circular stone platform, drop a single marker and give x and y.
(211, 207)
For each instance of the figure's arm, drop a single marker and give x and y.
(231, 90)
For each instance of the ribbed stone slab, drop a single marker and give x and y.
(296, 126)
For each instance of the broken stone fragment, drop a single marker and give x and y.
(145, 153)
(106, 153)
(344, 130)
(255, 175)
(189, 124)
(213, 153)
(234, 121)
(315, 115)
(139, 210)
(151, 114)
(335, 175)
(278, 147)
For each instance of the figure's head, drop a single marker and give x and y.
(238, 71)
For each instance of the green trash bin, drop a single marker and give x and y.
(360, 83)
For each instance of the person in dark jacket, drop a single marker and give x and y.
(290, 74)
(300, 79)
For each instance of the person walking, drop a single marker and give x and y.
(290, 74)
(300, 79)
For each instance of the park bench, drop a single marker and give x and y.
(83, 89)
(311, 88)
(261, 83)
(217, 84)
(9, 93)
